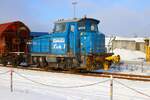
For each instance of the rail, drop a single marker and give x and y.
(99, 74)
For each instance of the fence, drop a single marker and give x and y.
(112, 81)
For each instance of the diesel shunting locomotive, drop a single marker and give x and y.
(75, 43)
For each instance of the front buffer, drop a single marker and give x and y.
(102, 61)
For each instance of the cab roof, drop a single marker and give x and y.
(77, 20)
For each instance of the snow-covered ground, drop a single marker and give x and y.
(59, 87)
(133, 61)
(136, 69)
(130, 55)
(126, 55)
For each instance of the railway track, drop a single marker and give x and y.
(120, 76)
(95, 74)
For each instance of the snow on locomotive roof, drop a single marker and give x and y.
(76, 20)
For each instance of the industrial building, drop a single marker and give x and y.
(129, 43)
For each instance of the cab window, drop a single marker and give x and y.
(93, 27)
(72, 28)
(60, 27)
(81, 26)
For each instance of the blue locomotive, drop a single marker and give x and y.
(75, 43)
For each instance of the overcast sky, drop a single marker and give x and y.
(118, 17)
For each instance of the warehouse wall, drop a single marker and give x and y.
(140, 46)
(124, 44)
(128, 44)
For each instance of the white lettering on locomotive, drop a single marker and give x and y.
(55, 40)
(58, 43)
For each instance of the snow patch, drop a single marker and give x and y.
(130, 55)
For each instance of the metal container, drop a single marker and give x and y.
(14, 37)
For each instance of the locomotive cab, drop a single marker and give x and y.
(91, 40)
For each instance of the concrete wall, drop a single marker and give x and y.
(128, 44)
(124, 44)
(140, 46)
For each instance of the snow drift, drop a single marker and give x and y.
(130, 55)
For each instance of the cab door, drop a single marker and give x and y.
(74, 38)
(71, 39)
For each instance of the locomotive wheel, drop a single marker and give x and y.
(38, 62)
(35, 61)
(32, 60)
(75, 63)
(43, 62)
(69, 63)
